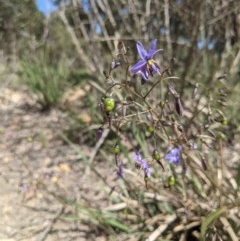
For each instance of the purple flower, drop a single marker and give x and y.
(174, 156)
(146, 168)
(138, 160)
(147, 65)
(141, 163)
(114, 64)
(178, 106)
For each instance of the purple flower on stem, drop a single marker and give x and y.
(141, 163)
(147, 65)
(174, 156)
(146, 168)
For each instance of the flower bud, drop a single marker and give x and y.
(178, 106)
(99, 133)
(109, 104)
(172, 90)
(120, 171)
(114, 64)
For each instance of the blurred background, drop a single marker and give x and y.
(59, 183)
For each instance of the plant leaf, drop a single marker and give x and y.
(238, 177)
(116, 224)
(209, 219)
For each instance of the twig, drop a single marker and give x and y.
(157, 232)
(95, 151)
(182, 227)
(97, 16)
(45, 233)
(167, 26)
(75, 41)
(98, 145)
(116, 207)
(229, 229)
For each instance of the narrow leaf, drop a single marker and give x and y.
(116, 224)
(208, 220)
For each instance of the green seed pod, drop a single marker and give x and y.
(171, 181)
(221, 136)
(161, 104)
(224, 121)
(116, 149)
(150, 129)
(109, 104)
(156, 155)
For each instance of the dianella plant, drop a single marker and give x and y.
(175, 143)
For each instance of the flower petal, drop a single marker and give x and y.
(138, 66)
(144, 164)
(154, 53)
(174, 156)
(138, 158)
(152, 49)
(148, 171)
(144, 74)
(141, 51)
(120, 171)
(155, 68)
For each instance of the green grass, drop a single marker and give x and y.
(46, 80)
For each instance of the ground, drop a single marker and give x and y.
(42, 175)
(36, 163)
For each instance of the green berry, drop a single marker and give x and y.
(109, 104)
(221, 136)
(224, 122)
(171, 181)
(116, 149)
(150, 129)
(156, 155)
